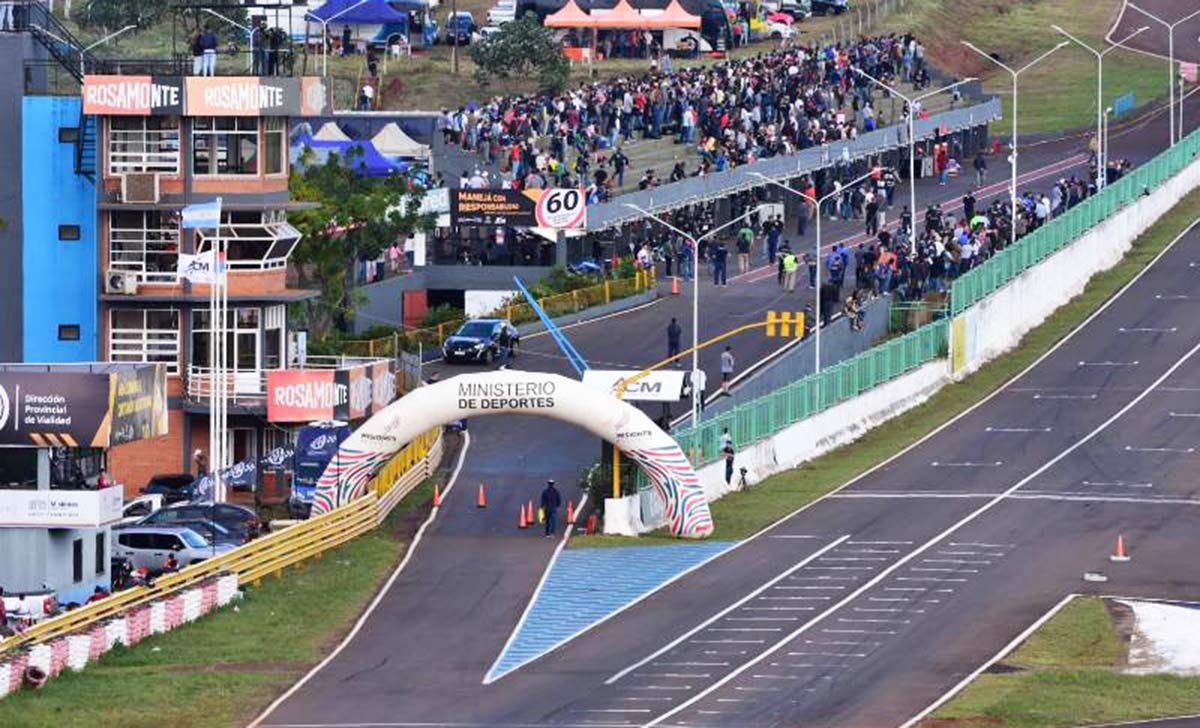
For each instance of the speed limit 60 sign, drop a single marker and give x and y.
(559, 209)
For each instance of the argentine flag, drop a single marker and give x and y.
(206, 215)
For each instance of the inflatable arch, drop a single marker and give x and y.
(534, 393)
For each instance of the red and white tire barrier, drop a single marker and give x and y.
(49, 659)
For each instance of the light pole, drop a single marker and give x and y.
(695, 288)
(325, 33)
(1104, 145)
(236, 24)
(1170, 55)
(912, 142)
(817, 206)
(1015, 90)
(105, 39)
(1100, 160)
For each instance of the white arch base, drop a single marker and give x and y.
(530, 393)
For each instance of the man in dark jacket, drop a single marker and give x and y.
(551, 500)
(674, 334)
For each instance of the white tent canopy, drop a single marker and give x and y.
(331, 132)
(391, 141)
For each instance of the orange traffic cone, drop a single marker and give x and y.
(674, 285)
(482, 498)
(1120, 555)
(591, 524)
(529, 512)
(571, 512)
(521, 522)
(437, 496)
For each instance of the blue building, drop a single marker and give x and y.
(48, 304)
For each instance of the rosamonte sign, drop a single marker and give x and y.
(204, 96)
(350, 393)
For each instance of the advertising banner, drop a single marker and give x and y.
(133, 95)
(205, 96)
(60, 508)
(138, 403)
(658, 386)
(558, 209)
(304, 395)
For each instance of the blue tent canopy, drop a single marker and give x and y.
(370, 12)
(368, 163)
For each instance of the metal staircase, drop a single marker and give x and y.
(85, 147)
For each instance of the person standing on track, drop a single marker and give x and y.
(980, 169)
(727, 363)
(745, 240)
(720, 257)
(550, 501)
(674, 333)
(790, 266)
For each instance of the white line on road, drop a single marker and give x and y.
(956, 561)
(1118, 484)
(944, 570)
(928, 578)
(1176, 450)
(1108, 363)
(1183, 414)
(703, 625)
(788, 535)
(1018, 429)
(939, 464)
(980, 545)
(1065, 396)
(879, 543)
(854, 631)
(1147, 330)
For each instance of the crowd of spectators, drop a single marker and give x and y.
(731, 113)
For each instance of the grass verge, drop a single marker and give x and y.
(224, 668)
(739, 515)
(1066, 674)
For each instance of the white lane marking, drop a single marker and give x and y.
(980, 545)
(906, 588)
(841, 568)
(673, 674)
(940, 464)
(872, 620)
(899, 495)
(1065, 396)
(826, 654)
(892, 610)
(727, 642)
(731, 700)
(646, 699)
(691, 664)
(387, 586)
(983, 508)
(1183, 414)
(868, 551)
(814, 586)
(854, 631)
(842, 643)
(1089, 498)
(974, 562)
(755, 690)
(825, 578)
(1172, 297)
(661, 687)
(943, 570)
(1176, 450)
(745, 629)
(761, 619)
(890, 599)
(616, 710)
(788, 535)
(1147, 330)
(996, 658)
(929, 578)
(1018, 429)
(1108, 363)
(879, 543)
(752, 595)
(854, 558)
(970, 553)
(786, 599)
(1118, 484)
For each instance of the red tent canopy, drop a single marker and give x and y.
(570, 16)
(675, 17)
(622, 16)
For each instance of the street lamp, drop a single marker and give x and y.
(1170, 55)
(1101, 161)
(1104, 142)
(817, 206)
(324, 32)
(695, 288)
(912, 141)
(1015, 76)
(105, 39)
(236, 24)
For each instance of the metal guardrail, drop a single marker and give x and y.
(268, 555)
(518, 313)
(1014, 260)
(722, 184)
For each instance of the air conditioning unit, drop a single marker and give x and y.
(140, 187)
(121, 283)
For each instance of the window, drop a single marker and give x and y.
(68, 232)
(241, 342)
(77, 560)
(225, 145)
(68, 332)
(144, 336)
(253, 240)
(143, 144)
(274, 145)
(274, 319)
(68, 134)
(101, 561)
(144, 242)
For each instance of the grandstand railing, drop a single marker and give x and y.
(978, 283)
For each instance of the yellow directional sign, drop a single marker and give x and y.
(787, 322)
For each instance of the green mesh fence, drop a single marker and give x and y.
(762, 417)
(1009, 263)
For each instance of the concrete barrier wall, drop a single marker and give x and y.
(997, 323)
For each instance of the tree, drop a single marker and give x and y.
(522, 49)
(110, 15)
(356, 216)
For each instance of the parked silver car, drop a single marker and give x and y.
(149, 546)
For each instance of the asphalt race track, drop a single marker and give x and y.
(850, 613)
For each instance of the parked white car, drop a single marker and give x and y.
(140, 507)
(502, 12)
(780, 31)
(148, 547)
